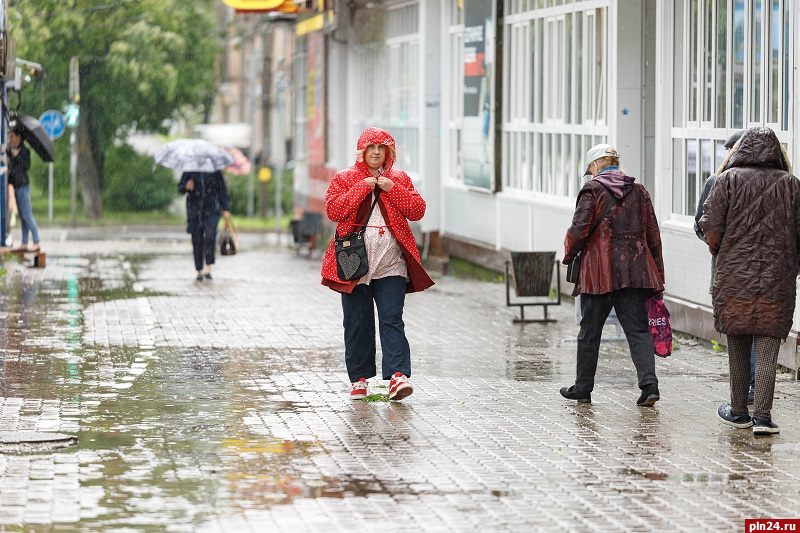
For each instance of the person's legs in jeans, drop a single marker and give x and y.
(632, 315)
(739, 347)
(594, 311)
(389, 294)
(23, 197)
(359, 333)
(767, 349)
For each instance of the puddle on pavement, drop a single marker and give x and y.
(161, 437)
(163, 432)
(530, 369)
(654, 476)
(530, 358)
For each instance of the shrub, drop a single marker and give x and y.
(130, 182)
(237, 194)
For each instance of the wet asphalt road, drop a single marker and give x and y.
(223, 406)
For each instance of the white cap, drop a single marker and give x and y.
(598, 152)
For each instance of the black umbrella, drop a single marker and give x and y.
(36, 136)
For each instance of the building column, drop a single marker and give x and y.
(431, 31)
(626, 80)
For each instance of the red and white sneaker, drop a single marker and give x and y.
(359, 390)
(399, 387)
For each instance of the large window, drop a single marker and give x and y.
(555, 92)
(453, 90)
(300, 77)
(387, 78)
(731, 72)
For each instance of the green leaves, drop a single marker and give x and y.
(142, 62)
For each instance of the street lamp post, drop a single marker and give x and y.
(253, 94)
(280, 88)
(75, 98)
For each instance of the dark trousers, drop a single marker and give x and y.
(632, 315)
(204, 240)
(388, 295)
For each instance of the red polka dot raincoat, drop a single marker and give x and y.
(348, 201)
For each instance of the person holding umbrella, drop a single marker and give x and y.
(19, 161)
(203, 183)
(206, 197)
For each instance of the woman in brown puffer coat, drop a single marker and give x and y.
(752, 224)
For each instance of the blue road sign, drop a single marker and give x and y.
(53, 123)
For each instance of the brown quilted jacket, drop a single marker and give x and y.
(625, 249)
(752, 224)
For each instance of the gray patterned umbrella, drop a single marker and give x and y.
(193, 155)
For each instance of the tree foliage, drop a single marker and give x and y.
(142, 63)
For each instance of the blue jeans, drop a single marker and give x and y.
(632, 316)
(388, 295)
(753, 365)
(23, 196)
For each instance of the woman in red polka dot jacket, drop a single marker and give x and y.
(394, 263)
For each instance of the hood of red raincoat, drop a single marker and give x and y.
(375, 136)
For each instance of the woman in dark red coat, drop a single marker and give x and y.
(394, 262)
(621, 266)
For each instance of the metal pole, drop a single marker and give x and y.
(279, 166)
(50, 191)
(73, 177)
(3, 167)
(253, 95)
(75, 98)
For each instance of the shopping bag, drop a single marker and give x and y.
(660, 329)
(228, 242)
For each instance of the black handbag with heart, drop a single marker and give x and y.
(351, 251)
(574, 266)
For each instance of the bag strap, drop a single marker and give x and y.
(599, 220)
(364, 225)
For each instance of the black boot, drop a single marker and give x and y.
(572, 393)
(649, 396)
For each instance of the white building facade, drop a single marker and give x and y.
(494, 103)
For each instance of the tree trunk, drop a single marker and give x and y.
(89, 169)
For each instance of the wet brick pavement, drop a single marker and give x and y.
(223, 406)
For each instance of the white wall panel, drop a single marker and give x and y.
(469, 215)
(551, 224)
(516, 225)
(687, 265)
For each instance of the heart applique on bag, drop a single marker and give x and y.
(349, 264)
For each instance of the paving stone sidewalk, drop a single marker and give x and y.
(223, 406)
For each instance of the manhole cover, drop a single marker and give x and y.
(34, 441)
